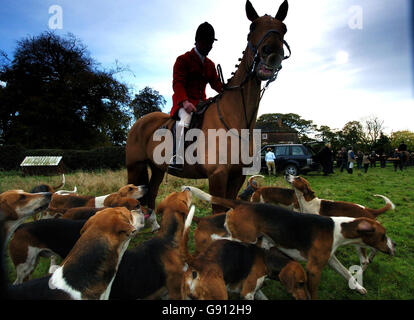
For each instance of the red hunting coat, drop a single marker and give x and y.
(190, 78)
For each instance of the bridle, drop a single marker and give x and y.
(256, 59)
(250, 74)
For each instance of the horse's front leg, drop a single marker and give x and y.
(234, 184)
(217, 186)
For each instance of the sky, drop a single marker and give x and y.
(351, 59)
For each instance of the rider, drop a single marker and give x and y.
(192, 71)
(402, 146)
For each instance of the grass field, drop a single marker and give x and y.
(386, 278)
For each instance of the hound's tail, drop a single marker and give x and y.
(212, 199)
(388, 206)
(66, 192)
(62, 184)
(61, 211)
(184, 254)
(250, 181)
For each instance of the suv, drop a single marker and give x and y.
(291, 158)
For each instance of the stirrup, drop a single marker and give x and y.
(174, 165)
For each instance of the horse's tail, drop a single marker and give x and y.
(186, 257)
(250, 181)
(388, 205)
(212, 199)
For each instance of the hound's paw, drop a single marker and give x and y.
(53, 268)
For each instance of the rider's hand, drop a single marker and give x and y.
(188, 106)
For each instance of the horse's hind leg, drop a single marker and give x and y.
(217, 185)
(138, 175)
(156, 178)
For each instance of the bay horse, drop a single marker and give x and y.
(236, 107)
(405, 156)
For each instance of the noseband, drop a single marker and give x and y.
(250, 73)
(255, 51)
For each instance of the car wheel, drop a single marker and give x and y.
(291, 169)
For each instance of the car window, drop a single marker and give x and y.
(297, 151)
(281, 151)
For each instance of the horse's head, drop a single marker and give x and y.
(265, 41)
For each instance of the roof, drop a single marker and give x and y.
(37, 161)
(267, 128)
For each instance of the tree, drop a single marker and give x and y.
(382, 144)
(55, 96)
(326, 134)
(291, 120)
(352, 134)
(373, 129)
(404, 135)
(148, 100)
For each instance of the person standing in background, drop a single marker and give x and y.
(359, 158)
(343, 159)
(373, 158)
(270, 161)
(366, 162)
(325, 159)
(351, 160)
(383, 159)
(398, 162)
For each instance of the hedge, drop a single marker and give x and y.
(98, 158)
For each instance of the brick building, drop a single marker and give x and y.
(277, 133)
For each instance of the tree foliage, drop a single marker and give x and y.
(148, 100)
(334, 137)
(405, 136)
(55, 96)
(290, 120)
(353, 134)
(382, 144)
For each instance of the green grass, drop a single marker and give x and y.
(386, 278)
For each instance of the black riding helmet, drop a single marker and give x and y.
(205, 31)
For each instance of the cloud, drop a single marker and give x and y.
(147, 36)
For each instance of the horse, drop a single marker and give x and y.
(405, 156)
(261, 61)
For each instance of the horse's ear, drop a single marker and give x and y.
(282, 12)
(251, 12)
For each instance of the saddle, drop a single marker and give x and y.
(196, 120)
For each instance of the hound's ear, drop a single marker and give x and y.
(159, 210)
(88, 223)
(251, 12)
(365, 227)
(282, 12)
(127, 228)
(286, 279)
(306, 190)
(8, 211)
